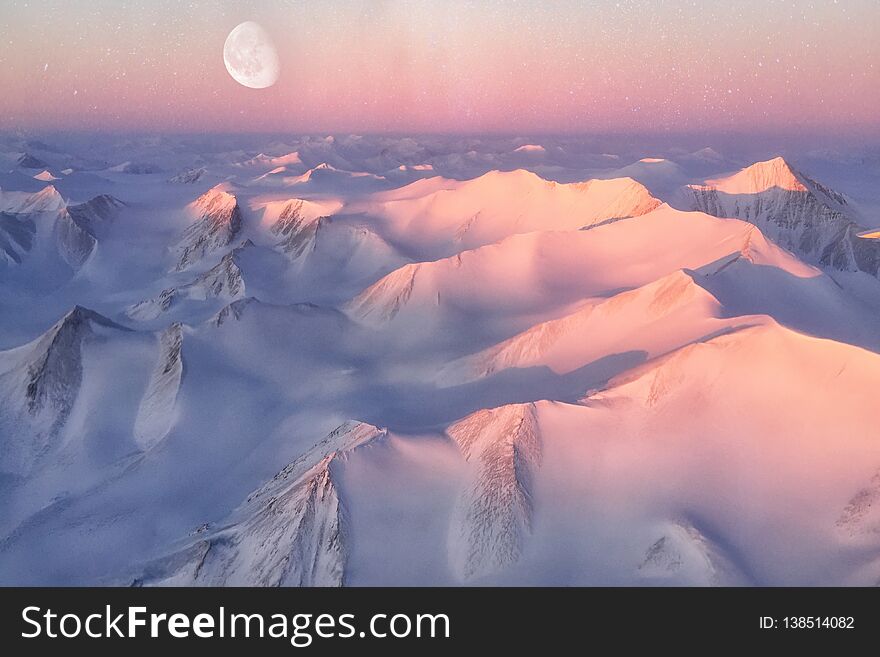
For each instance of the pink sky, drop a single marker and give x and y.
(450, 66)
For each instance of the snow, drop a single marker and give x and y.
(46, 200)
(217, 224)
(439, 217)
(530, 148)
(437, 361)
(289, 532)
(800, 214)
(760, 177)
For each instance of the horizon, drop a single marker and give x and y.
(743, 145)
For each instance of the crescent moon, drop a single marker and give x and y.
(250, 56)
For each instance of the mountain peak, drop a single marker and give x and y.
(28, 161)
(218, 224)
(234, 310)
(760, 177)
(289, 532)
(218, 195)
(79, 314)
(99, 208)
(493, 517)
(52, 367)
(708, 153)
(46, 200)
(530, 148)
(514, 174)
(45, 176)
(189, 176)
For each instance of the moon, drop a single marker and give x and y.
(250, 56)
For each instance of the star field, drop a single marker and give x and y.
(447, 65)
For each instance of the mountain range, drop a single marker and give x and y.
(391, 361)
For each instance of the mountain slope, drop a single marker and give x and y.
(688, 469)
(289, 532)
(494, 512)
(46, 220)
(95, 212)
(654, 319)
(39, 383)
(217, 224)
(540, 273)
(16, 237)
(224, 281)
(438, 217)
(798, 213)
(156, 411)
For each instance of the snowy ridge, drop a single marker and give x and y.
(296, 227)
(46, 200)
(325, 172)
(72, 229)
(441, 217)
(324, 249)
(657, 317)
(156, 413)
(289, 532)
(217, 225)
(274, 161)
(794, 211)
(223, 281)
(527, 271)
(91, 214)
(760, 177)
(28, 161)
(233, 311)
(493, 515)
(40, 389)
(383, 300)
(189, 176)
(45, 176)
(75, 240)
(683, 551)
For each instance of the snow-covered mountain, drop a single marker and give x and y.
(223, 281)
(156, 413)
(292, 531)
(546, 271)
(796, 212)
(95, 212)
(39, 384)
(217, 224)
(28, 161)
(45, 221)
(555, 382)
(45, 176)
(189, 176)
(46, 200)
(437, 216)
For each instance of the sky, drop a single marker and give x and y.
(457, 66)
